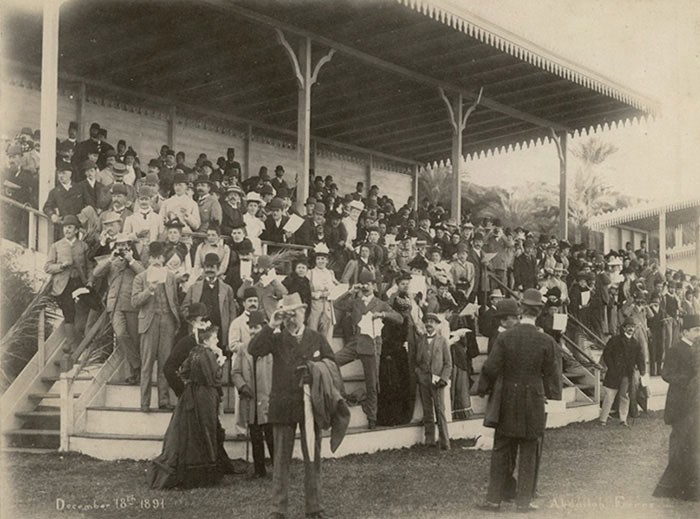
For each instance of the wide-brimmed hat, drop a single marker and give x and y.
(356, 204)
(124, 237)
(321, 249)
(110, 217)
(532, 297)
(253, 197)
(291, 302)
(506, 307)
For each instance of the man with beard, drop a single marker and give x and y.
(209, 206)
(239, 338)
(292, 347)
(361, 305)
(216, 295)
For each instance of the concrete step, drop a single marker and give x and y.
(33, 438)
(27, 450)
(49, 399)
(40, 419)
(131, 420)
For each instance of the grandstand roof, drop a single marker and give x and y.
(379, 92)
(645, 216)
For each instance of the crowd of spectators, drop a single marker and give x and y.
(238, 245)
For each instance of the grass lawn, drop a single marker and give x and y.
(587, 471)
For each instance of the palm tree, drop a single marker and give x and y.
(591, 193)
(435, 184)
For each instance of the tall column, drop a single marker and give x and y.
(80, 117)
(456, 205)
(697, 241)
(370, 167)
(415, 187)
(247, 148)
(560, 140)
(172, 115)
(49, 102)
(662, 241)
(304, 124)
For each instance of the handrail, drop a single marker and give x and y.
(566, 339)
(585, 328)
(25, 206)
(228, 239)
(570, 316)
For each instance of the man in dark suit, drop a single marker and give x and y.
(476, 258)
(360, 302)
(274, 224)
(154, 293)
(528, 360)
(488, 322)
(94, 193)
(622, 353)
(292, 347)
(525, 267)
(680, 367)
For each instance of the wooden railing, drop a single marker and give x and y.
(568, 341)
(35, 219)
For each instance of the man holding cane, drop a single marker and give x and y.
(292, 345)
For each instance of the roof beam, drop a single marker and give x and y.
(249, 14)
(167, 102)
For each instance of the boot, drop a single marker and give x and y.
(70, 343)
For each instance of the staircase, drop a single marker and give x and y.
(115, 427)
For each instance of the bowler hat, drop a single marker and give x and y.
(532, 297)
(212, 259)
(366, 277)
(155, 249)
(119, 189)
(174, 223)
(87, 164)
(506, 307)
(432, 317)
(275, 203)
(320, 208)
(179, 178)
(629, 322)
(203, 179)
(310, 200)
(196, 310)
(70, 219)
(146, 191)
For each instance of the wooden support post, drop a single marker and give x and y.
(41, 339)
(305, 80)
(415, 187)
(172, 114)
(678, 235)
(49, 108)
(662, 241)
(66, 402)
(697, 241)
(560, 140)
(312, 158)
(304, 124)
(80, 116)
(247, 148)
(31, 234)
(370, 167)
(606, 240)
(458, 119)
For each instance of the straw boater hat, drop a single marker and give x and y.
(253, 197)
(290, 302)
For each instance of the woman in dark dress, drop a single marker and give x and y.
(395, 402)
(189, 456)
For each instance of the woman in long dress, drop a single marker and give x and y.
(189, 456)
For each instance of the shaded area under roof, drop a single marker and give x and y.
(223, 56)
(646, 216)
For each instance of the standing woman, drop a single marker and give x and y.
(189, 456)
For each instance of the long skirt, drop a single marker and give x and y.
(395, 405)
(681, 479)
(459, 394)
(190, 456)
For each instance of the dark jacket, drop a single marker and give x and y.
(273, 232)
(530, 364)
(348, 303)
(525, 271)
(620, 356)
(98, 196)
(678, 370)
(288, 353)
(177, 356)
(229, 216)
(300, 285)
(64, 201)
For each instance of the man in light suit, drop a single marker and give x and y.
(67, 263)
(120, 269)
(217, 295)
(159, 319)
(433, 368)
(358, 302)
